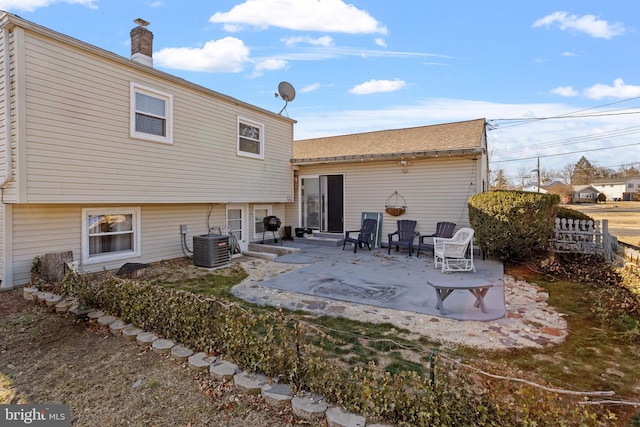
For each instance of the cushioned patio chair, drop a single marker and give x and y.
(406, 233)
(443, 229)
(364, 235)
(455, 253)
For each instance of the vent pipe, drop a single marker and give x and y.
(142, 43)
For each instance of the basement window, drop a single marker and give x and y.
(110, 234)
(151, 114)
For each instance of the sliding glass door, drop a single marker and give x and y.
(322, 202)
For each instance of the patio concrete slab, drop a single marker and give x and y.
(395, 281)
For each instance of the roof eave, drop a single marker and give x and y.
(465, 152)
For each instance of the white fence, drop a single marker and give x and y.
(580, 236)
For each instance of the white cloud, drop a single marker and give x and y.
(618, 90)
(225, 55)
(569, 54)
(377, 86)
(587, 24)
(314, 41)
(564, 91)
(310, 88)
(300, 15)
(32, 5)
(271, 64)
(380, 42)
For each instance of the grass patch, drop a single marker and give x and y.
(216, 284)
(596, 356)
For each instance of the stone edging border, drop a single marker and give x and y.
(308, 406)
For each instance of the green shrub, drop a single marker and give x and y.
(513, 225)
(276, 344)
(568, 213)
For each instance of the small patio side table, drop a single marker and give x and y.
(478, 290)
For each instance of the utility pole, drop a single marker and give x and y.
(538, 174)
(537, 171)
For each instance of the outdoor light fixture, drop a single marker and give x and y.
(405, 165)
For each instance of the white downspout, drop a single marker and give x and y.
(8, 177)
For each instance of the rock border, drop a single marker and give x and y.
(304, 405)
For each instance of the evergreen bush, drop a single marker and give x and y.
(513, 225)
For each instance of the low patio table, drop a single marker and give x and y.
(478, 290)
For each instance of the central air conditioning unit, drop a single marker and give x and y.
(211, 250)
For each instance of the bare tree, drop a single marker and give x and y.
(566, 173)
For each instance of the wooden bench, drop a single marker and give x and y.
(478, 290)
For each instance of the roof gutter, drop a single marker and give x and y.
(467, 152)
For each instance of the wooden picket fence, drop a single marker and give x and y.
(581, 236)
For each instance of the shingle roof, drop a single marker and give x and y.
(460, 137)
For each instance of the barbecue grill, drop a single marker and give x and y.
(271, 223)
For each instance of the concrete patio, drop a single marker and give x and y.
(373, 278)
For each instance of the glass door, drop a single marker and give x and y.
(237, 224)
(322, 203)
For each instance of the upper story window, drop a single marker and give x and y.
(151, 114)
(110, 234)
(250, 139)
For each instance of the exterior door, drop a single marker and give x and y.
(322, 203)
(237, 223)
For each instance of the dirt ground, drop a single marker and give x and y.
(108, 381)
(624, 218)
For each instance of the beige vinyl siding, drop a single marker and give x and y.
(79, 149)
(3, 242)
(41, 229)
(7, 118)
(434, 189)
(46, 228)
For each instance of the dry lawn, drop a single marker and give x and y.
(108, 381)
(624, 218)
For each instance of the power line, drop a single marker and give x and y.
(578, 139)
(564, 154)
(526, 120)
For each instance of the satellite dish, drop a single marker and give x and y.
(287, 92)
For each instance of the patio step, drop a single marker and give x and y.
(322, 239)
(273, 249)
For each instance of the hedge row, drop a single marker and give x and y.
(275, 344)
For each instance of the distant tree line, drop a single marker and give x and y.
(579, 173)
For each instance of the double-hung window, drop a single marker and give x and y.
(151, 114)
(110, 234)
(250, 138)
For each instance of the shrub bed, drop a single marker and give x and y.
(275, 344)
(513, 225)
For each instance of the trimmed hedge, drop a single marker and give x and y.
(513, 225)
(275, 344)
(568, 213)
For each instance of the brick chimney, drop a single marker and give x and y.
(142, 43)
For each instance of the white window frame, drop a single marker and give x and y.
(256, 233)
(110, 256)
(168, 117)
(260, 141)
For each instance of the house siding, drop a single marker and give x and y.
(78, 147)
(434, 189)
(45, 228)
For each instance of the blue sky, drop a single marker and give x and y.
(557, 80)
